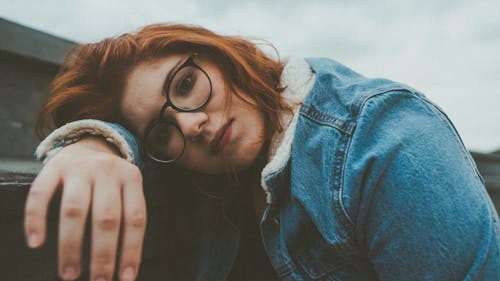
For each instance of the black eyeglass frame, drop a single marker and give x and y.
(189, 62)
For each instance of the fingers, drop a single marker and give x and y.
(74, 208)
(134, 226)
(41, 191)
(105, 183)
(106, 213)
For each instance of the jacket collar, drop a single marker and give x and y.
(298, 78)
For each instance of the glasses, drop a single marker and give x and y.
(187, 90)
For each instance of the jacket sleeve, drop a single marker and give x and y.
(113, 133)
(415, 197)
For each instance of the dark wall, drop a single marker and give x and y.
(489, 167)
(23, 87)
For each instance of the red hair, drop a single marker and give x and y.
(92, 77)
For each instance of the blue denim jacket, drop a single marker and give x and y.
(378, 186)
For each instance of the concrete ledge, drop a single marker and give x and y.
(19, 167)
(19, 263)
(489, 167)
(159, 252)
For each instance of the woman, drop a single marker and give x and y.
(341, 177)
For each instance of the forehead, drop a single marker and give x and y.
(143, 94)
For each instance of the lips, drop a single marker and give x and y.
(221, 137)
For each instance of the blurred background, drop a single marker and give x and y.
(447, 49)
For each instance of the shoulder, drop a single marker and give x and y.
(339, 94)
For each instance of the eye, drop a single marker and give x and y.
(185, 84)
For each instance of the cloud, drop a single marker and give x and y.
(448, 49)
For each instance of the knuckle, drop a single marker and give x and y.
(131, 259)
(73, 211)
(69, 250)
(33, 219)
(132, 252)
(32, 213)
(137, 219)
(37, 194)
(103, 261)
(107, 222)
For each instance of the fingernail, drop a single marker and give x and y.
(33, 240)
(128, 274)
(100, 279)
(69, 272)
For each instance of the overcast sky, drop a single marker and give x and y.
(448, 49)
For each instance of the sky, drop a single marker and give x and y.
(447, 49)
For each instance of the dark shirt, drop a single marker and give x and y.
(252, 262)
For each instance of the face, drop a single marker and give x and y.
(220, 137)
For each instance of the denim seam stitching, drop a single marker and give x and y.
(341, 183)
(312, 114)
(359, 104)
(285, 255)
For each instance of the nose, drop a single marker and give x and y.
(191, 123)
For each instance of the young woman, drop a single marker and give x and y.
(341, 177)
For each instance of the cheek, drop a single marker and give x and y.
(138, 111)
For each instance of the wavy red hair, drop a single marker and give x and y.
(92, 77)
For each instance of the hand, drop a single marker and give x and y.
(90, 174)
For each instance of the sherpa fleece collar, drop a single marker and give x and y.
(298, 78)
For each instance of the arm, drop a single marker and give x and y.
(422, 210)
(97, 175)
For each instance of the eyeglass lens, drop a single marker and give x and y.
(189, 89)
(165, 142)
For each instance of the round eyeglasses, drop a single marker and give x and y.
(188, 89)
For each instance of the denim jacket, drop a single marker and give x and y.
(373, 183)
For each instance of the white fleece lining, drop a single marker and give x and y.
(73, 131)
(298, 78)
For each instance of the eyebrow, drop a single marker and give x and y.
(168, 79)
